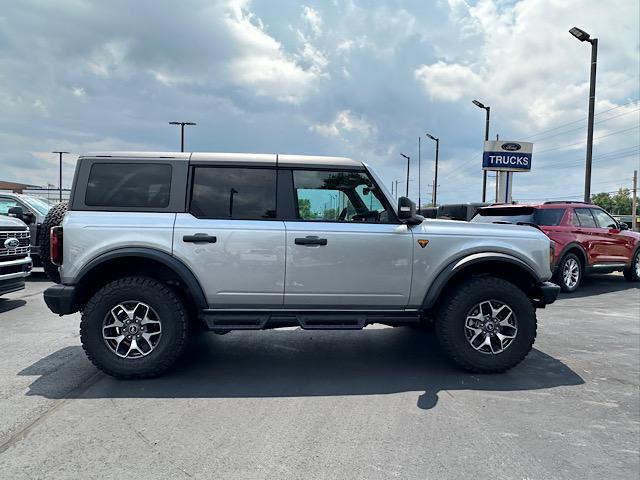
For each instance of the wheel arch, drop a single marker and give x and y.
(496, 264)
(576, 248)
(138, 261)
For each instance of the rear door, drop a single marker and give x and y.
(345, 247)
(612, 245)
(589, 234)
(230, 237)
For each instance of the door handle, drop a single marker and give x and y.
(199, 238)
(310, 241)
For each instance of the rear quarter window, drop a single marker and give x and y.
(139, 185)
(549, 217)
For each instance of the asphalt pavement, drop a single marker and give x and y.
(292, 404)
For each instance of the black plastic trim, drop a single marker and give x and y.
(185, 274)
(456, 266)
(61, 299)
(566, 248)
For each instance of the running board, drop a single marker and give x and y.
(262, 320)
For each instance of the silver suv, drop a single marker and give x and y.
(157, 245)
(15, 262)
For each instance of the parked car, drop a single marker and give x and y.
(588, 239)
(15, 263)
(154, 244)
(32, 211)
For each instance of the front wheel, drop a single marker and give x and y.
(632, 273)
(134, 327)
(486, 325)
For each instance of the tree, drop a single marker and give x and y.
(618, 204)
(304, 207)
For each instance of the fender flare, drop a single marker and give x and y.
(465, 261)
(171, 262)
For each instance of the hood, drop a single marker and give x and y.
(457, 227)
(11, 222)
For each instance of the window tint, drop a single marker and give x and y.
(585, 219)
(142, 185)
(338, 196)
(234, 193)
(6, 204)
(603, 219)
(549, 216)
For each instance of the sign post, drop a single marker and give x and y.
(506, 157)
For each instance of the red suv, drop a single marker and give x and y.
(588, 239)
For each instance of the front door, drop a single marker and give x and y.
(612, 245)
(345, 249)
(230, 238)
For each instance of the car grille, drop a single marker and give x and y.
(22, 250)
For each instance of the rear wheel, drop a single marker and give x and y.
(134, 327)
(487, 325)
(633, 272)
(569, 274)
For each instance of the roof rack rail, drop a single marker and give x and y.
(565, 201)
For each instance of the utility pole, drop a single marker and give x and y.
(408, 161)
(60, 172)
(486, 138)
(634, 202)
(434, 196)
(182, 124)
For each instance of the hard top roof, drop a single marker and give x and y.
(235, 158)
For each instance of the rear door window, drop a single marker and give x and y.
(585, 219)
(234, 193)
(139, 185)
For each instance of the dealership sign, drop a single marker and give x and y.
(507, 156)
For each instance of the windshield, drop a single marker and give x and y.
(544, 217)
(37, 204)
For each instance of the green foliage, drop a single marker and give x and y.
(617, 204)
(304, 207)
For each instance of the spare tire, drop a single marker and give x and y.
(53, 219)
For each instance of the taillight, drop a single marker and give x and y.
(56, 245)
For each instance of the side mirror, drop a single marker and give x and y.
(20, 214)
(623, 226)
(407, 211)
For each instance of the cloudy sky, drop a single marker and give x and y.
(355, 78)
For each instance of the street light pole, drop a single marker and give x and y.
(60, 171)
(435, 181)
(408, 159)
(585, 37)
(419, 159)
(486, 137)
(182, 124)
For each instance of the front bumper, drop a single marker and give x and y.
(545, 293)
(13, 273)
(61, 299)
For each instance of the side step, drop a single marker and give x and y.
(262, 320)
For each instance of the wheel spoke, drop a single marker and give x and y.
(490, 327)
(131, 329)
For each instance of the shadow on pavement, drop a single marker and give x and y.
(7, 305)
(600, 284)
(304, 364)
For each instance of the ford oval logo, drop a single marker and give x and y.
(11, 243)
(511, 147)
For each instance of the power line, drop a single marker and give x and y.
(615, 132)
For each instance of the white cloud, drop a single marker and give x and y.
(312, 19)
(79, 91)
(345, 123)
(448, 82)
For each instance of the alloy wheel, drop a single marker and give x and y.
(132, 329)
(490, 327)
(571, 273)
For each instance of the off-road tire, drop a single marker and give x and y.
(53, 219)
(161, 298)
(559, 277)
(631, 273)
(452, 315)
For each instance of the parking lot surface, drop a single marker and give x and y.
(379, 403)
